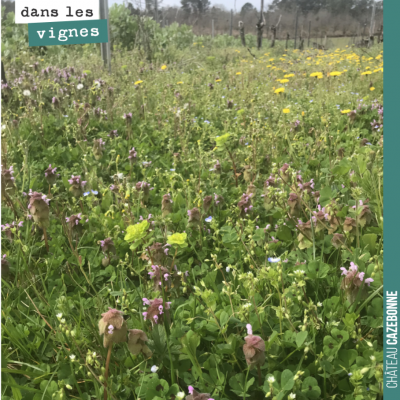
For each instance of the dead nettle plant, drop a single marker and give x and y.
(113, 328)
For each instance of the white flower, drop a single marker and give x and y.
(271, 379)
(319, 304)
(247, 305)
(292, 396)
(372, 358)
(26, 93)
(63, 321)
(299, 272)
(79, 86)
(72, 357)
(59, 315)
(94, 354)
(154, 369)
(228, 269)
(180, 395)
(3, 127)
(68, 387)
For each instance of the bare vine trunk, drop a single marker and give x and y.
(260, 26)
(241, 31)
(273, 30)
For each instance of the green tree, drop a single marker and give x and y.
(247, 7)
(197, 7)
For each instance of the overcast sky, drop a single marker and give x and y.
(229, 4)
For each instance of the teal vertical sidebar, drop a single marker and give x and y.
(391, 195)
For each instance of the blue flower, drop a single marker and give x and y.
(172, 169)
(274, 260)
(209, 219)
(93, 191)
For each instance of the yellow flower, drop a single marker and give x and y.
(179, 83)
(289, 76)
(137, 82)
(303, 113)
(371, 88)
(218, 80)
(315, 74)
(178, 239)
(286, 111)
(284, 80)
(164, 67)
(335, 73)
(345, 111)
(200, 191)
(366, 73)
(279, 90)
(238, 73)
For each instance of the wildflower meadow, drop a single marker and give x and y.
(206, 225)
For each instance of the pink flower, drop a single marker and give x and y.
(249, 329)
(368, 281)
(254, 350)
(113, 326)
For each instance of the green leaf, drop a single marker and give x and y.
(301, 337)
(326, 195)
(331, 346)
(343, 168)
(310, 388)
(350, 319)
(340, 336)
(362, 164)
(347, 357)
(284, 233)
(221, 140)
(317, 270)
(230, 237)
(370, 240)
(287, 380)
(271, 340)
(225, 348)
(223, 318)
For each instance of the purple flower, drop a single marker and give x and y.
(132, 154)
(146, 301)
(368, 281)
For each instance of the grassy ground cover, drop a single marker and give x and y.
(210, 225)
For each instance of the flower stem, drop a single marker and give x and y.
(167, 332)
(259, 376)
(45, 239)
(245, 383)
(106, 373)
